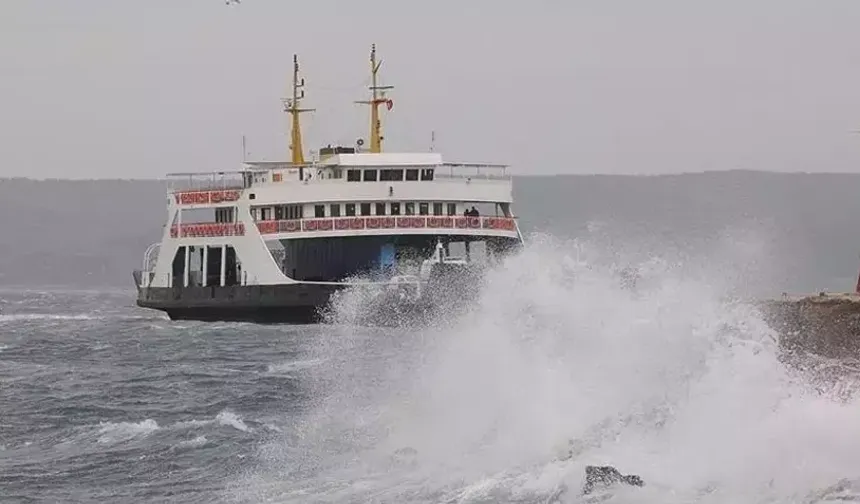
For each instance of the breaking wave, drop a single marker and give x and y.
(120, 432)
(556, 366)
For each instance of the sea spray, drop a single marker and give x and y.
(555, 366)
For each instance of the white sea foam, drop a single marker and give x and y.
(231, 419)
(110, 432)
(16, 317)
(559, 366)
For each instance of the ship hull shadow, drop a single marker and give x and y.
(263, 304)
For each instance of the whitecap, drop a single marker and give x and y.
(110, 432)
(231, 419)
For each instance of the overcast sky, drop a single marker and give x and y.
(127, 88)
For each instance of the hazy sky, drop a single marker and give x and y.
(125, 88)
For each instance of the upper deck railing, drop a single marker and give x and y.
(189, 182)
(284, 173)
(472, 170)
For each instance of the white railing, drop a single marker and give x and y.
(178, 182)
(188, 182)
(473, 170)
(150, 259)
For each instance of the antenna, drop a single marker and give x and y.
(377, 99)
(244, 150)
(432, 140)
(291, 106)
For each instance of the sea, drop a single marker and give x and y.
(553, 367)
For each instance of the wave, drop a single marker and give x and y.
(557, 366)
(111, 433)
(15, 317)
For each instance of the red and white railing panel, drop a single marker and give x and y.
(388, 222)
(206, 197)
(500, 223)
(207, 230)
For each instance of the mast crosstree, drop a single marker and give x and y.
(377, 98)
(292, 107)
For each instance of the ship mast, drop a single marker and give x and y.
(291, 106)
(377, 99)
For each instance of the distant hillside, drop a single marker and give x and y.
(93, 233)
(808, 223)
(77, 233)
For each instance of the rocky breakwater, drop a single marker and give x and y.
(827, 324)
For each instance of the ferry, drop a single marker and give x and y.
(273, 242)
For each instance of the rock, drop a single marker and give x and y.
(826, 324)
(607, 476)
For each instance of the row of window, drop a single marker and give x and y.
(291, 212)
(393, 208)
(389, 175)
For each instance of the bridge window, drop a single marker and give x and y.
(292, 212)
(319, 211)
(279, 213)
(334, 210)
(437, 208)
(370, 175)
(391, 175)
(412, 174)
(423, 208)
(265, 213)
(365, 209)
(350, 209)
(395, 209)
(452, 209)
(223, 215)
(380, 209)
(353, 175)
(410, 208)
(427, 174)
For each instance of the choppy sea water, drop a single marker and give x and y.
(557, 366)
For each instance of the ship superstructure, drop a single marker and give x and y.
(273, 241)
